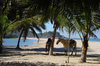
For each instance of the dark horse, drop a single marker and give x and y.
(48, 44)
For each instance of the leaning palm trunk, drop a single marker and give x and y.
(1, 36)
(18, 47)
(53, 40)
(0, 28)
(84, 50)
(1, 44)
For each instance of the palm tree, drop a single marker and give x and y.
(50, 10)
(4, 23)
(25, 24)
(53, 18)
(85, 25)
(52, 14)
(4, 27)
(81, 18)
(22, 12)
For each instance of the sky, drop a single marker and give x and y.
(49, 27)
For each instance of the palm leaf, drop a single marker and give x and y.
(25, 33)
(34, 33)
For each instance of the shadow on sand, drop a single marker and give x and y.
(59, 51)
(41, 51)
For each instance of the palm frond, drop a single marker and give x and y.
(36, 27)
(25, 33)
(92, 34)
(34, 33)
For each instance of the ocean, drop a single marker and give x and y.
(13, 42)
(91, 39)
(29, 42)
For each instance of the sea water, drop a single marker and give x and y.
(91, 39)
(13, 42)
(29, 42)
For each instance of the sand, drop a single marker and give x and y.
(36, 54)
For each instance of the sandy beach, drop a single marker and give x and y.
(37, 54)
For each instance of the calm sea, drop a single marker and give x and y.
(29, 42)
(13, 42)
(92, 39)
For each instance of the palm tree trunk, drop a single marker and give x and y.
(1, 9)
(1, 44)
(53, 40)
(84, 50)
(1, 6)
(68, 45)
(18, 47)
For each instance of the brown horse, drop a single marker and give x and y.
(66, 43)
(48, 44)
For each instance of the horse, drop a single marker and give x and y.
(71, 43)
(48, 44)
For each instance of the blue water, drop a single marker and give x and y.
(29, 42)
(92, 39)
(13, 42)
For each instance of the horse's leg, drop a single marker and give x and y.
(72, 51)
(65, 52)
(46, 48)
(75, 51)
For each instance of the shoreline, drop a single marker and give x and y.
(36, 43)
(56, 38)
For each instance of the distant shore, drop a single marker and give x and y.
(35, 54)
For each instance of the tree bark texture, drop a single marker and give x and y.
(84, 50)
(18, 47)
(53, 40)
(1, 45)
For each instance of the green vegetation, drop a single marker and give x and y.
(49, 35)
(11, 35)
(30, 34)
(25, 24)
(4, 27)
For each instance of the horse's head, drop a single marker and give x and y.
(58, 41)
